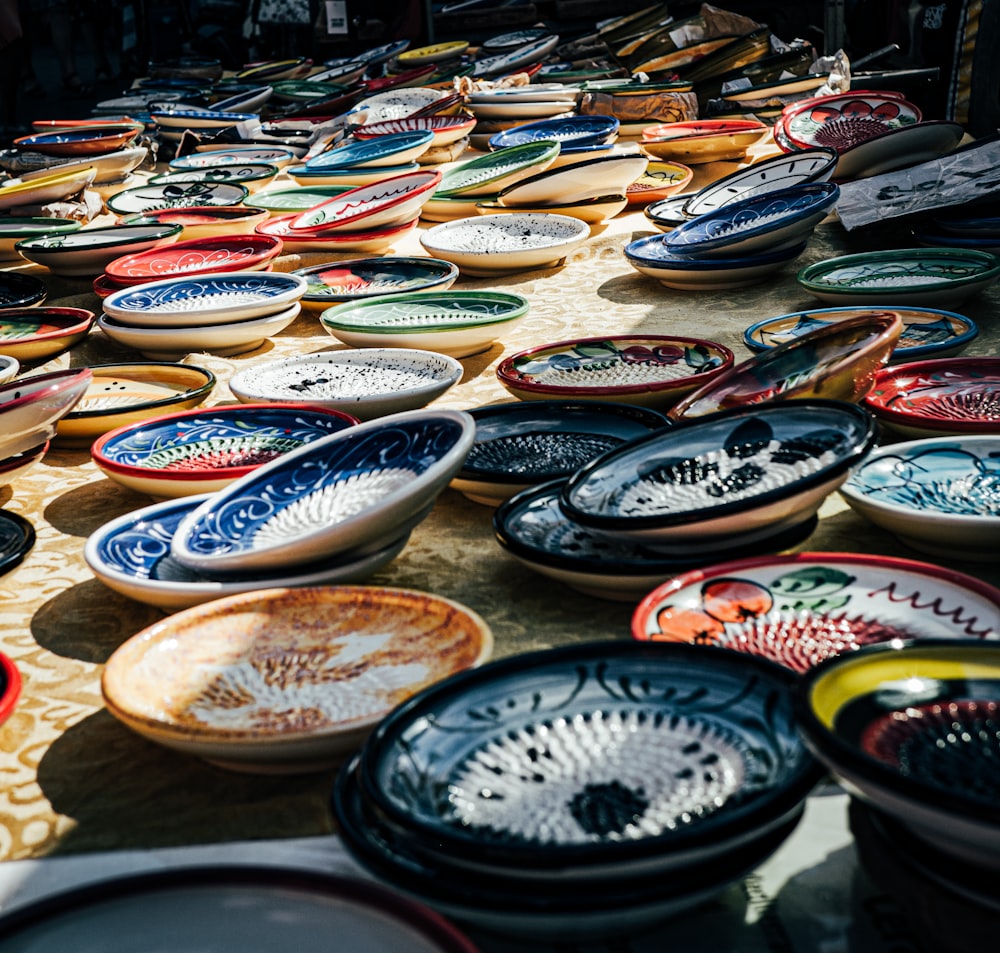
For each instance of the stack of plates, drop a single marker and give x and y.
(533, 797)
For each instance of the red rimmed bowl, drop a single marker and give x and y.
(843, 120)
(801, 609)
(371, 240)
(10, 687)
(250, 252)
(204, 221)
(702, 140)
(36, 334)
(648, 370)
(446, 129)
(938, 398)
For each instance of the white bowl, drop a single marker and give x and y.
(30, 406)
(86, 252)
(605, 175)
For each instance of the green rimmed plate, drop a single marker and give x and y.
(12, 230)
(488, 174)
(298, 198)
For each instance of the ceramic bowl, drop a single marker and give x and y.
(203, 300)
(908, 728)
(605, 175)
(648, 370)
(842, 120)
(800, 609)
(252, 175)
(19, 290)
(594, 211)
(108, 168)
(131, 555)
(488, 174)
(435, 53)
(175, 119)
(767, 175)
(10, 687)
(195, 256)
(938, 495)
(120, 394)
(445, 208)
(15, 228)
(837, 361)
(369, 649)
(738, 471)
(898, 148)
(699, 141)
(668, 213)
(652, 256)
(373, 241)
(358, 278)
(205, 221)
(203, 450)
(505, 244)
(235, 156)
(362, 487)
(225, 339)
(398, 103)
(15, 466)
(659, 181)
(36, 334)
(567, 131)
(927, 332)
(534, 51)
(9, 366)
(82, 141)
(31, 405)
(424, 768)
(299, 198)
(920, 277)
(48, 188)
(273, 70)
(148, 198)
(765, 222)
(389, 150)
(519, 445)
(390, 201)
(352, 177)
(367, 383)
(446, 129)
(938, 398)
(87, 252)
(456, 323)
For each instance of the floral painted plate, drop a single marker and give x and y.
(253, 175)
(146, 198)
(367, 383)
(801, 609)
(648, 370)
(921, 277)
(201, 451)
(843, 120)
(927, 332)
(364, 487)
(36, 334)
(456, 323)
(354, 278)
(489, 173)
(938, 398)
(837, 361)
(195, 256)
(390, 150)
(568, 131)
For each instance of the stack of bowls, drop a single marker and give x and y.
(579, 793)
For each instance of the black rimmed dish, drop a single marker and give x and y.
(519, 445)
(589, 762)
(913, 728)
(736, 471)
(20, 291)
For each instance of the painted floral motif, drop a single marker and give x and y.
(845, 123)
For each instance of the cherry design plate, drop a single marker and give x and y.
(843, 120)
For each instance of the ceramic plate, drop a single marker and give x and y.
(373, 240)
(927, 332)
(198, 119)
(147, 198)
(204, 221)
(108, 168)
(534, 51)
(489, 173)
(921, 277)
(605, 175)
(15, 466)
(510, 109)
(80, 142)
(767, 175)
(36, 334)
(277, 906)
(456, 323)
(505, 244)
(936, 398)
(736, 471)
(704, 140)
(446, 129)
(209, 160)
(352, 177)
(660, 180)
(522, 444)
(194, 256)
(17, 536)
(843, 120)
(899, 148)
(48, 188)
(205, 299)
(298, 198)
(389, 150)
(221, 680)
(14, 228)
(31, 405)
(568, 131)
(120, 394)
(514, 39)
(593, 211)
(649, 370)
(274, 69)
(435, 53)
(253, 175)
(361, 487)
(9, 366)
(668, 213)
(18, 290)
(10, 687)
(837, 361)
(398, 103)
(801, 609)
(353, 279)
(369, 382)
(88, 251)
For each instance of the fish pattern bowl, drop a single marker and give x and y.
(800, 609)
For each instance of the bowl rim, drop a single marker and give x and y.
(437, 271)
(68, 321)
(59, 382)
(268, 247)
(192, 392)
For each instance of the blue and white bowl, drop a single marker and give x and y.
(362, 487)
(763, 222)
(569, 131)
(394, 149)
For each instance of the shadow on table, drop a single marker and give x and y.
(80, 511)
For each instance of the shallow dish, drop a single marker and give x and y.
(593, 211)
(920, 277)
(398, 103)
(604, 175)
(519, 445)
(82, 141)
(87, 251)
(299, 198)
(174, 342)
(767, 175)
(446, 129)
(203, 450)
(353, 279)
(441, 208)
(9, 366)
(927, 332)
(435, 53)
(206, 160)
(659, 181)
(842, 120)
(361, 487)
(195, 256)
(205, 221)
(374, 240)
(47, 188)
(207, 299)
(13, 229)
(273, 70)
(760, 223)
(352, 177)
(389, 150)
(668, 213)
(648, 370)
(31, 405)
(567, 131)
(111, 167)
(938, 398)
(507, 243)
(253, 175)
(19, 290)
(36, 334)
(898, 148)
(907, 727)
(119, 394)
(801, 609)
(131, 555)
(837, 361)
(148, 198)
(487, 174)
(534, 51)
(10, 687)
(367, 383)
(703, 140)
(176, 119)
(15, 466)
(456, 323)
(737, 471)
